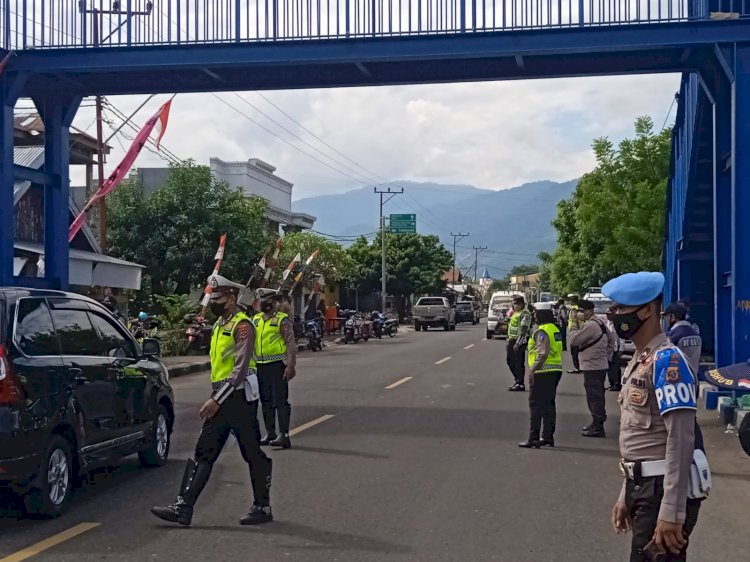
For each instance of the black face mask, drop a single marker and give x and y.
(627, 325)
(266, 307)
(218, 308)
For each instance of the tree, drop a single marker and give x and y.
(614, 222)
(333, 261)
(416, 264)
(175, 231)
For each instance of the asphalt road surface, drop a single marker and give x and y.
(413, 457)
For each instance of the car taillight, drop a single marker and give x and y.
(10, 391)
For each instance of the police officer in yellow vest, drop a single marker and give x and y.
(545, 370)
(232, 408)
(519, 328)
(276, 356)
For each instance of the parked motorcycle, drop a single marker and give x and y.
(313, 335)
(383, 326)
(357, 328)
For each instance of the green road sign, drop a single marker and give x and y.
(403, 224)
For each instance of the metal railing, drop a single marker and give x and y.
(46, 24)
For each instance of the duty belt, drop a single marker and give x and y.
(635, 470)
(271, 358)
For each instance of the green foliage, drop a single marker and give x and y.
(416, 264)
(175, 231)
(498, 285)
(614, 222)
(333, 261)
(172, 329)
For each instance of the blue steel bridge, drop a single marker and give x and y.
(67, 49)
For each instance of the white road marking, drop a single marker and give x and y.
(308, 425)
(469, 346)
(46, 544)
(399, 382)
(443, 360)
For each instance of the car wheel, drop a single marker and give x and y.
(446, 327)
(417, 326)
(158, 451)
(489, 335)
(56, 477)
(453, 328)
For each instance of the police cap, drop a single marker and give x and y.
(264, 294)
(220, 284)
(677, 309)
(634, 289)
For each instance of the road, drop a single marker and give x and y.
(427, 469)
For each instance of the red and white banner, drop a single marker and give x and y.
(160, 118)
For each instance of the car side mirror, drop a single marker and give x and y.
(151, 347)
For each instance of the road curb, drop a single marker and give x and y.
(188, 368)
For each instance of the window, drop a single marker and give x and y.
(431, 301)
(77, 335)
(114, 344)
(35, 333)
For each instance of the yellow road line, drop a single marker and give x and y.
(469, 346)
(46, 544)
(395, 384)
(443, 360)
(305, 426)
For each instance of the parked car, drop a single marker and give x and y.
(434, 312)
(76, 391)
(466, 312)
(497, 314)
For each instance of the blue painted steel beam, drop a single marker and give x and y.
(741, 201)
(34, 176)
(7, 207)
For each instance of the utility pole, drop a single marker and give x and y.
(98, 40)
(477, 249)
(391, 194)
(456, 239)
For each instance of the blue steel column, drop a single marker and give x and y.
(58, 113)
(7, 210)
(741, 195)
(722, 195)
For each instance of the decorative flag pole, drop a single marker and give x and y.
(271, 264)
(298, 278)
(209, 289)
(289, 269)
(159, 121)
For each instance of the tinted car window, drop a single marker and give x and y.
(430, 302)
(77, 335)
(35, 333)
(114, 344)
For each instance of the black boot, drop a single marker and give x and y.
(547, 442)
(268, 438)
(269, 420)
(193, 481)
(282, 441)
(596, 430)
(257, 515)
(588, 427)
(532, 442)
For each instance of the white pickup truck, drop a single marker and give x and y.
(435, 312)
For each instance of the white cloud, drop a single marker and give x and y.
(493, 134)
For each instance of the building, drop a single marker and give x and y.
(525, 284)
(255, 178)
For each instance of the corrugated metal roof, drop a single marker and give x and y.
(28, 156)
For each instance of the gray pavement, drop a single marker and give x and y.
(427, 470)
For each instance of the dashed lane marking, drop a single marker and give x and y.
(399, 382)
(469, 346)
(305, 426)
(51, 542)
(443, 360)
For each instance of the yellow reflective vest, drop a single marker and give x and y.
(222, 348)
(554, 359)
(270, 346)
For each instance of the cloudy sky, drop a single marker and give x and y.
(491, 135)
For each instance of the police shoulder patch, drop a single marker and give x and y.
(674, 383)
(243, 330)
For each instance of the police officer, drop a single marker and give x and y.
(518, 337)
(545, 370)
(563, 319)
(657, 426)
(573, 299)
(232, 408)
(276, 356)
(615, 371)
(595, 349)
(683, 334)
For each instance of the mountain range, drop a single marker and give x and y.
(514, 224)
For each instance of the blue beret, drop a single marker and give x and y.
(633, 289)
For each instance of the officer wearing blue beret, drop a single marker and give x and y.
(657, 426)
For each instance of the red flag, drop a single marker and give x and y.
(123, 168)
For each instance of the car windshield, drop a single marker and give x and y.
(500, 303)
(601, 306)
(466, 305)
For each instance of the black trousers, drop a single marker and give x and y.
(240, 417)
(643, 505)
(615, 372)
(574, 355)
(274, 396)
(542, 404)
(593, 382)
(564, 335)
(516, 361)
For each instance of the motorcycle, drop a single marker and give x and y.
(198, 332)
(314, 335)
(382, 325)
(357, 328)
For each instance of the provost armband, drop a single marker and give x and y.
(674, 383)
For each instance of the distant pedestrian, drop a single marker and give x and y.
(544, 367)
(563, 318)
(684, 335)
(688, 319)
(595, 346)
